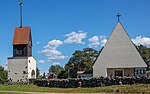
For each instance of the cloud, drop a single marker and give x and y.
(75, 37)
(53, 44)
(41, 61)
(56, 57)
(142, 40)
(56, 63)
(103, 40)
(95, 41)
(51, 52)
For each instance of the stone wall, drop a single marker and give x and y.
(92, 82)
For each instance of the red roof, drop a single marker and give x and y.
(22, 35)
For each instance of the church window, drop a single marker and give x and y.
(26, 67)
(140, 71)
(15, 73)
(137, 71)
(29, 61)
(143, 71)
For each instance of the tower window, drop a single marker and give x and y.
(15, 73)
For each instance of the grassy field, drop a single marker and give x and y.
(139, 88)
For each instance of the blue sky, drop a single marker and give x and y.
(59, 27)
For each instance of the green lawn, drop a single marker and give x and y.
(139, 88)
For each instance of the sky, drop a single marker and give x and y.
(59, 27)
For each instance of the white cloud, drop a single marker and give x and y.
(51, 52)
(94, 42)
(103, 40)
(56, 57)
(41, 61)
(56, 63)
(75, 37)
(142, 40)
(53, 44)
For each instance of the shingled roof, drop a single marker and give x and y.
(22, 35)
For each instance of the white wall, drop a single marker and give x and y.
(20, 68)
(31, 66)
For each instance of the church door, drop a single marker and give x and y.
(119, 73)
(33, 74)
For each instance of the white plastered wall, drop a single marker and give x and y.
(19, 69)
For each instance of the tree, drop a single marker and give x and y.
(3, 75)
(56, 69)
(145, 54)
(44, 76)
(62, 75)
(38, 73)
(81, 60)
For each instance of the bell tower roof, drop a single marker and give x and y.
(22, 36)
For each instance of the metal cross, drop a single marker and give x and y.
(20, 3)
(118, 15)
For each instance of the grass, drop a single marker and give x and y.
(138, 88)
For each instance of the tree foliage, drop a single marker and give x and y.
(3, 75)
(81, 60)
(38, 76)
(56, 69)
(145, 54)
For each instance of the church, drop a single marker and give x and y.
(119, 56)
(22, 66)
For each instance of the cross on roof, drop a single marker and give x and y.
(118, 15)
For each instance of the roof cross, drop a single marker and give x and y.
(118, 15)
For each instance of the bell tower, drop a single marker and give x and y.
(22, 66)
(22, 42)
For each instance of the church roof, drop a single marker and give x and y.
(119, 51)
(22, 35)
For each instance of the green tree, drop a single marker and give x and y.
(56, 69)
(44, 76)
(81, 60)
(38, 76)
(3, 75)
(145, 54)
(62, 75)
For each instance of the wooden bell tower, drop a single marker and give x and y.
(22, 42)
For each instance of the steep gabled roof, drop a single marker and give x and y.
(22, 35)
(119, 51)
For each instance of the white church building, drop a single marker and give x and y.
(119, 56)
